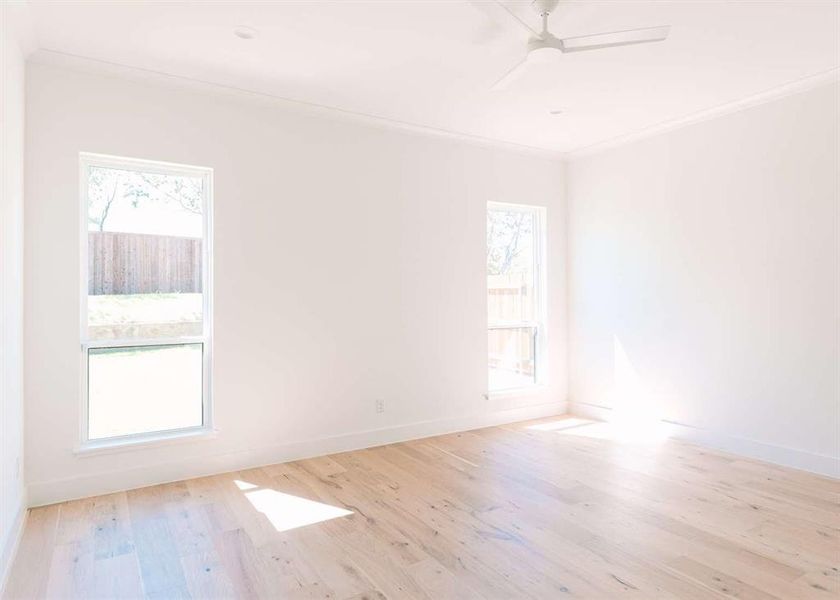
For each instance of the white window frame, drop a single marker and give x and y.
(539, 324)
(86, 445)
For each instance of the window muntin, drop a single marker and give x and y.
(146, 298)
(514, 296)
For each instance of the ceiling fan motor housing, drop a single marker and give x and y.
(543, 46)
(544, 7)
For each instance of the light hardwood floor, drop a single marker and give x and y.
(545, 509)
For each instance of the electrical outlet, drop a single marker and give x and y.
(380, 405)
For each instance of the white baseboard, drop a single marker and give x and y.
(50, 492)
(10, 548)
(828, 466)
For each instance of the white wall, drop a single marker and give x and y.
(12, 493)
(704, 279)
(349, 266)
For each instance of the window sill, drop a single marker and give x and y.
(142, 442)
(520, 391)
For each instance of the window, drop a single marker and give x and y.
(146, 299)
(515, 284)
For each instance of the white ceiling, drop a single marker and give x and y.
(431, 63)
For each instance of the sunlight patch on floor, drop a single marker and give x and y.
(560, 424)
(287, 512)
(244, 485)
(622, 428)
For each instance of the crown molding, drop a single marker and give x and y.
(55, 58)
(787, 89)
(16, 20)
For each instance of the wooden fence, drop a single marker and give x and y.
(508, 298)
(133, 263)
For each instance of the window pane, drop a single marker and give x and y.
(144, 389)
(510, 265)
(511, 357)
(144, 254)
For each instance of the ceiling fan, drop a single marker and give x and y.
(543, 44)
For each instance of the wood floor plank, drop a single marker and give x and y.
(112, 526)
(30, 571)
(71, 570)
(550, 508)
(155, 544)
(116, 577)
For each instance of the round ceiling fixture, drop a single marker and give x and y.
(244, 32)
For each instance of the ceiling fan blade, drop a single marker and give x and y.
(615, 38)
(511, 76)
(489, 28)
(500, 13)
